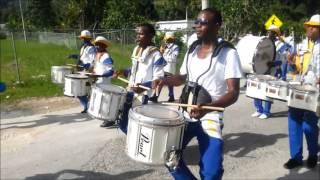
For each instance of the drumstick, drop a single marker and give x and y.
(74, 65)
(140, 86)
(85, 73)
(190, 105)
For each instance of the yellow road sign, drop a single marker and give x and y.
(273, 20)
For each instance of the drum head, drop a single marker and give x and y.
(265, 52)
(305, 88)
(262, 78)
(76, 76)
(278, 83)
(156, 115)
(61, 67)
(111, 88)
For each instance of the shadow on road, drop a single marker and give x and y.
(241, 143)
(47, 120)
(279, 114)
(310, 174)
(84, 175)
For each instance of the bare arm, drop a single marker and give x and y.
(175, 80)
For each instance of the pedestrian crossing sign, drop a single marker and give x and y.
(273, 20)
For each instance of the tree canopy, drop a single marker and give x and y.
(240, 16)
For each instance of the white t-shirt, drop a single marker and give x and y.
(225, 65)
(101, 66)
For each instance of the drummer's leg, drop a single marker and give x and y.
(84, 102)
(311, 131)
(267, 108)
(123, 124)
(258, 105)
(295, 133)
(182, 172)
(284, 67)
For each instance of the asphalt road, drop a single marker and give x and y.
(67, 145)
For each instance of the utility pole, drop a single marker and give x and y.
(21, 13)
(204, 4)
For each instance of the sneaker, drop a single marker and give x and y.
(84, 111)
(107, 123)
(312, 161)
(292, 164)
(255, 114)
(171, 99)
(153, 99)
(263, 116)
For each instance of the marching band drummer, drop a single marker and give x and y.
(147, 66)
(302, 121)
(170, 52)
(282, 49)
(87, 55)
(103, 66)
(211, 72)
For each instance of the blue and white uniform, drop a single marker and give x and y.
(170, 54)
(87, 56)
(211, 73)
(302, 121)
(147, 66)
(103, 66)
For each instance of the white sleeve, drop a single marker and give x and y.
(233, 66)
(158, 64)
(183, 68)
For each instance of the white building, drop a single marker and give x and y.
(185, 26)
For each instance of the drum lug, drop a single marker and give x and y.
(172, 158)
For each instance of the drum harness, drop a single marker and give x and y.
(196, 94)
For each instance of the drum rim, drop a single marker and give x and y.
(124, 91)
(274, 84)
(83, 76)
(165, 122)
(293, 87)
(61, 67)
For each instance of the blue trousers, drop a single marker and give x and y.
(284, 68)
(211, 155)
(258, 105)
(84, 101)
(301, 121)
(123, 124)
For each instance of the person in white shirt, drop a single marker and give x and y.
(103, 67)
(302, 121)
(170, 52)
(147, 66)
(211, 73)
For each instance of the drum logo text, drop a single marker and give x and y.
(143, 141)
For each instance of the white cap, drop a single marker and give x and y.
(169, 35)
(85, 34)
(102, 40)
(274, 28)
(314, 20)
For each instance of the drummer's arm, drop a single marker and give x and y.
(231, 96)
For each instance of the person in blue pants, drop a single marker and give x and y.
(302, 121)
(211, 72)
(147, 66)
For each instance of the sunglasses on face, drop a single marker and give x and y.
(201, 22)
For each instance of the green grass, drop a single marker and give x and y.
(35, 61)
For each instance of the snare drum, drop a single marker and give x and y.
(277, 89)
(257, 86)
(304, 97)
(153, 131)
(58, 73)
(76, 85)
(106, 101)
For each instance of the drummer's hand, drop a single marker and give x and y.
(198, 112)
(158, 83)
(137, 89)
(117, 73)
(290, 58)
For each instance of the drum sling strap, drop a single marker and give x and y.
(193, 92)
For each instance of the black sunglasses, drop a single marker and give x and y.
(201, 22)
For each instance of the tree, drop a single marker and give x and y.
(40, 14)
